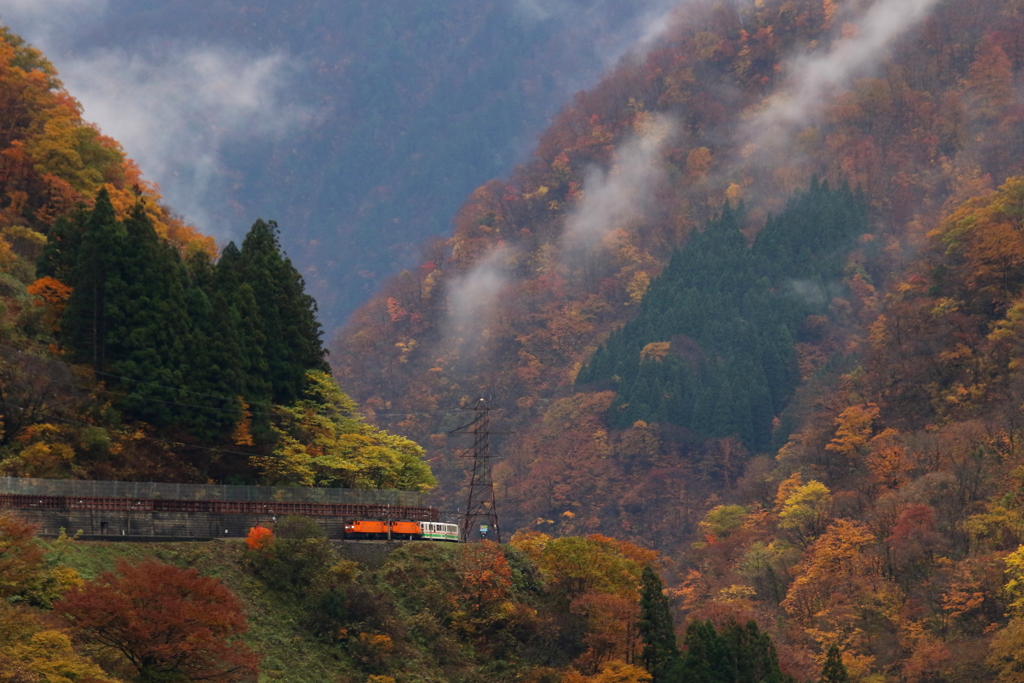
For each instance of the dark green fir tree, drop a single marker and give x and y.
(149, 325)
(661, 655)
(91, 259)
(834, 671)
(753, 658)
(292, 343)
(707, 658)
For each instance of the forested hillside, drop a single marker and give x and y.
(545, 265)
(130, 349)
(713, 345)
(756, 302)
(772, 336)
(287, 608)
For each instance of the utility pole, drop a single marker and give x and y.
(480, 506)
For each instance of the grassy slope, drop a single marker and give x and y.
(290, 652)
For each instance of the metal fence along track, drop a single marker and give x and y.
(76, 488)
(412, 513)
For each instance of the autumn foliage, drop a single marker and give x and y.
(259, 538)
(163, 621)
(20, 558)
(871, 519)
(852, 486)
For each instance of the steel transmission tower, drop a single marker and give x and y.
(480, 506)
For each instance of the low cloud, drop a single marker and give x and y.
(813, 79)
(176, 111)
(473, 298)
(812, 293)
(39, 21)
(617, 198)
(605, 22)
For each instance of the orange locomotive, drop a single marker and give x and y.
(427, 531)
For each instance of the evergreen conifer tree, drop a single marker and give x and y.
(93, 270)
(834, 671)
(753, 655)
(292, 343)
(214, 367)
(227, 368)
(660, 653)
(706, 658)
(149, 324)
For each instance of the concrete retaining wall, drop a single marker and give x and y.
(101, 523)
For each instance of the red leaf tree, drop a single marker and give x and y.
(168, 623)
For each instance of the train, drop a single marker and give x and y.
(408, 531)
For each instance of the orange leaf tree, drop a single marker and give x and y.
(20, 558)
(259, 538)
(164, 621)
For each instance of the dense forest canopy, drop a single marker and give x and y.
(712, 346)
(754, 301)
(131, 349)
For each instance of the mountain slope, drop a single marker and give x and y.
(544, 265)
(882, 514)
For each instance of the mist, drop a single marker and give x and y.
(616, 198)
(176, 111)
(814, 78)
(598, 25)
(473, 299)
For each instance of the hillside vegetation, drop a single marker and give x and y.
(539, 609)
(130, 349)
(782, 350)
(785, 351)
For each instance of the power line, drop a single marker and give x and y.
(481, 503)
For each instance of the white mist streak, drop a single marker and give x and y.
(617, 198)
(174, 112)
(594, 22)
(473, 297)
(813, 78)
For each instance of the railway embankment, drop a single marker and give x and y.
(109, 510)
